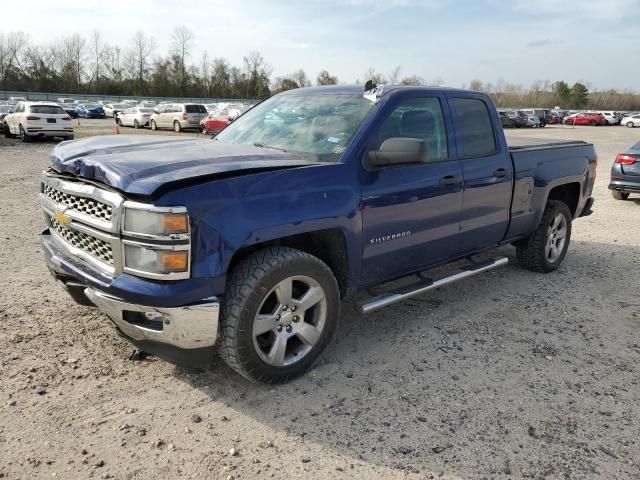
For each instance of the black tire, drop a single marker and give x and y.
(248, 287)
(23, 135)
(593, 123)
(136, 125)
(176, 126)
(70, 137)
(153, 125)
(618, 195)
(532, 251)
(7, 132)
(630, 125)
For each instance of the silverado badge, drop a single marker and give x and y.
(61, 218)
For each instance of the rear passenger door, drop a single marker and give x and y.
(487, 173)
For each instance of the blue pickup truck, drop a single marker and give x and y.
(246, 243)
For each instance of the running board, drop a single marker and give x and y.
(431, 283)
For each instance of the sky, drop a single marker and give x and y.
(517, 41)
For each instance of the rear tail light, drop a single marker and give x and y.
(623, 159)
(66, 118)
(185, 116)
(31, 117)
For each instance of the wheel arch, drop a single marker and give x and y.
(329, 245)
(568, 193)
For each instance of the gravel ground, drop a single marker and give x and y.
(510, 374)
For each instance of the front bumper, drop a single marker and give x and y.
(182, 334)
(188, 327)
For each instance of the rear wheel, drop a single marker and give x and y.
(593, 123)
(630, 125)
(618, 195)
(176, 126)
(23, 135)
(279, 313)
(7, 132)
(136, 124)
(545, 249)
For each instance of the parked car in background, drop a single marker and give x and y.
(593, 119)
(16, 100)
(38, 119)
(68, 106)
(610, 117)
(130, 102)
(544, 115)
(112, 109)
(79, 102)
(631, 122)
(216, 121)
(4, 111)
(135, 117)
(533, 121)
(517, 117)
(505, 120)
(147, 104)
(179, 116)
(90, 110)
(625, 173)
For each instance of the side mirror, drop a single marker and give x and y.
(155, 110)
(399, 151)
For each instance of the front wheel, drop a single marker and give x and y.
(620, 195)
(136, 124)
(630, 125)
(23, 135)
(593, 123)
(545, 249)
(279, 313)
(154, 127)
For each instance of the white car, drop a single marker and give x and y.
(16, 100)
(147, 104)
(111, 109)
(633, 121)
(130, 102)
(136, 117)
(610, 117)
(38, 119)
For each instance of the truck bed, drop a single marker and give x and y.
(522, 143)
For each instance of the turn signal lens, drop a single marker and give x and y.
(623, 159)
(175, 223)
(173, 261)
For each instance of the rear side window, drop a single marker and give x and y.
(195, 109)
(47, 109)
(474, 127)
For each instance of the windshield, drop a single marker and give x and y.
(91, 105)
(318, 124)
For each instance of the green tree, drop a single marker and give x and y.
(561, 92)
(579, 95)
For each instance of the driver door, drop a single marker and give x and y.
(411, 213)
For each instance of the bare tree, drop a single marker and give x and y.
(142, 46)
(182, 41)
(374, 76)
(325, 79)
(205, 67)
(99, 50)
(11, 48)
(394, 75)
(301, 79)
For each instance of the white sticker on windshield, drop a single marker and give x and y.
(333, 140)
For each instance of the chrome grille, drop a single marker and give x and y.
(87, 206)
(93, 246)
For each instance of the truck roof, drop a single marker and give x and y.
(384, 89)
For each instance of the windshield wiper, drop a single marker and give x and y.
(262, 145)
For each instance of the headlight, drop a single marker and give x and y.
(150, 222)
(155, 261)
(157, 241)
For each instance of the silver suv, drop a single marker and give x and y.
(179, 116)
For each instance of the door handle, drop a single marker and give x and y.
(448, 180)
(501, 172)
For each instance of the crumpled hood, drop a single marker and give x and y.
(141, 165)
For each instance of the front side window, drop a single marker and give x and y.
(317, 125)
(474, 127)
(420, 118)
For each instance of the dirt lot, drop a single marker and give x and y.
(508, 375)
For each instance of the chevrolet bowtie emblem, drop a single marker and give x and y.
(61, 218)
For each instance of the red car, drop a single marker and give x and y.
(216, 121)
(592, 119)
